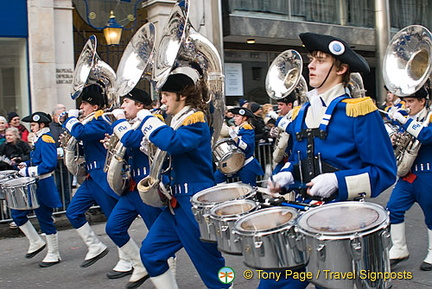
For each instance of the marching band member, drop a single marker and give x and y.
(42, 163)
(189, 147)
(416, 185)
(284, 143)
(244, 137)
(341, 150)
(95, 188)
(130, 204)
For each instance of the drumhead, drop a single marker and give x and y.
(19, 182)
(222, 193)
(266, 220)
(342, 218)
(8, 172)
(232, 208)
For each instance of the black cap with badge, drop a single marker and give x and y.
(38, 117)
(139, 95)
(242, 111)
(336, 47)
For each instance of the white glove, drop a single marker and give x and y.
(233, 134)
(143, 113)
(23, 172)
(323, 185)
(273, 114)
(73, 112)
(60, 152)
(279, 180)
(119, 113)
(394, 114)
(22, 165)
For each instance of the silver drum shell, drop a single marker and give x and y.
(224, 217)
(205, 200)
(341, 261)
(270, 247)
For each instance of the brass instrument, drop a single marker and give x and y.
(407, 66)
(283, 77)
(136, 59)
(181, 45)
(89, 69)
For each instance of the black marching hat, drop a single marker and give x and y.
(336, 47)
(39, 117)
(94, 95)
(139, 95)
(180, 78)
(290, 98)
(242, 111)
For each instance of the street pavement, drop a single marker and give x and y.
(18, 272)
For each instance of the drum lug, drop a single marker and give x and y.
(386, 238)
(257, 242)
(356, 247)
(321, 249)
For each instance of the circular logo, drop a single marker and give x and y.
(36, 117)
(336, 47)
(241, 111)
(226, 275)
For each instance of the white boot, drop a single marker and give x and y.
(37, 244)
(399, 250)
(172, 263)
(122, 268)
(96, 249)
(53, 255)
(139, 274)
(427, 262)
(165, 281)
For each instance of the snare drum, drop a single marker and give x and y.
(21, 193)
(268, 239)
(224, 217)
(229, 158)
(206, 199)
(349, 238)
(4, 177)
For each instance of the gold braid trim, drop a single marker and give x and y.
(159, 116)
(48, 139)
(194, 118)
(359, 106)
(295, 112)
(247, 126)
(98, 113)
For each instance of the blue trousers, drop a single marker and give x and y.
(43, 214)
(86, 196)
(170, 233)
(128, 207)
(405, 194)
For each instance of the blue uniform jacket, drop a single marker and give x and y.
(357, 144)
(91, 134)
(246, 142)
(44, 156)
(190, 149)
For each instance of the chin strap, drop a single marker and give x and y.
(328, 73)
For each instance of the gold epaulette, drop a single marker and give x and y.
(194, 118)
(430, 119)
(159, 116)
(295, 112)
(247, 126)
(48, 139)
(98, 113)
(359, 106)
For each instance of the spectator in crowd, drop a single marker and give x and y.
(62, 176)
(13, 150)
(15, 121)
(3, 126)
(261, 130)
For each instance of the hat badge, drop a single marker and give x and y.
(241, 111)
(336, 47)
(36, 117)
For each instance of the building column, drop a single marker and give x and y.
(382, 35)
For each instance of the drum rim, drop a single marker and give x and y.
(231, 216)
(30, 181)
(194, 199)
(260, 233)
(307, 230)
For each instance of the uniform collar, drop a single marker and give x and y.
(40, 132)
(179, 114)
(420, 116)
